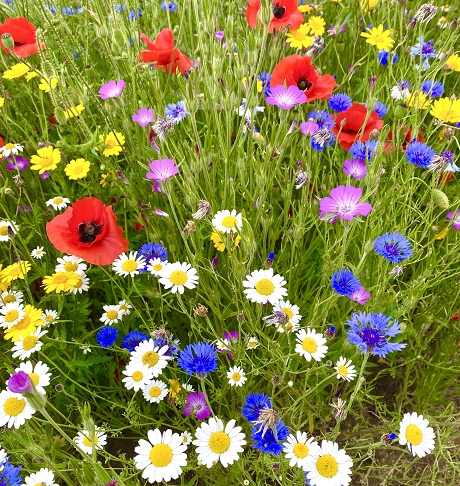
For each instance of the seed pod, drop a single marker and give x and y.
(48, 69)
(8, 41)
(60, 115)
(400, 111)
(440, 199)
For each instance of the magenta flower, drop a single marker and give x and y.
(159, 212)
(45, 175)
(357, 168)
(112, 89)
(309, 127)
(344, 203)
(20, 383)
(197, 406)
(18, 164)
(219, 35)
(286, 99)
(143, 117)
(229, 338)
(360, 295)
(162, 170)
(456, 222)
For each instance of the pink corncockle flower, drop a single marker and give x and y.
(143, 117)
(197, 405)
(229, 339)
(112, 89)
(344, 203)
(18, 164)
(162, 170)
(219, 35)
(360, 295)
(356, 168)
(159, 212)
(286, 99)
(309, 127)
(456, 222)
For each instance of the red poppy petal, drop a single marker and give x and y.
(322, 89)
(283, 71)
(164, 40)
(147, 41)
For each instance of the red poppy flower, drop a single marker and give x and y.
(387, 146)
(297, 70)
(163, 53)
(355, 117)
(88, 230)
(24, 36)
(285, 13)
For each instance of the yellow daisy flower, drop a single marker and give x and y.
(45, 86)
(454, 62)
(4, 284)
(419, 100)
(219, 243)
(26, 326)
(113, 142)
(379, 38)
(77, 169)
(299, 38)
(47, 158)
(316, 25)
(106, 178)
(61, 282)
(305, 8)
(446, 110)
(2, 101)
(259, 84)
(15, 271)
(31, 75)
(74, 111)
(368, 4)
(16, 71)
(175, 388)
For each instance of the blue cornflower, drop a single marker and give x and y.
(364, 151)
(132, 339)
(265, 78)
(392, 436)
(371, 332)
(424, 50)
(419, 154)
(269, 443)
(132, 15)
(322, 118)
(253, 404)
(344, 282)
(150, 251)
(319, 147)
(381, 110)
(394, 247)
(51, 8)
(80, 9)
(271, 255)
(172, 348)
(68, 11)
(176, 112)
(383, 57)
(340, 102)
(9, 475)
(171, 6)
(199, 358)
(107, 336)
(448, 156)
(434, 90)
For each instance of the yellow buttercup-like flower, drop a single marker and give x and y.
(2, 101)
(26, 326)
(259, 84)
(299, 38)
(15, 271)
(77, 169)
(73, 111)
(454, 62)
(106, 178)
(219, 242)
(379, 38)
(316, 25)
(61, 282)
(446, 110)
(113, 142)
(45, 84)
(31, 75)
(419, 100)
(16, 71)
(305, 8)
(4, 284)
(367, 5)
(47, 158)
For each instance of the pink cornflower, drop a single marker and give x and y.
(286, 99)
(360, 295)
(112, 89)
(344, 203)
(197, 405)
(355, 168)
(143, 117)
(162, 170)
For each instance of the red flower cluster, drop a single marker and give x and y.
(285, 13)
(24, 36)
(88, 230)
(297, 70)
(163, 53)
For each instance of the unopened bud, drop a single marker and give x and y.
(374, 135)
(453, 25)
(190, 228)
(400, 111)
(102, 31)
(8, 41)
(218, 108)
(440, 199)
(258, 138)
(276, 380)
(118, 37)
(448, 132)
(342, 123)
(60, 115)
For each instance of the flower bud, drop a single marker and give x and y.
(453, 25)
(400, 111)
(374, 135)
(8, 41)
(440, 199)
(60, 115)
(340, 46)
(118, 38)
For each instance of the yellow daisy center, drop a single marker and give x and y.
(129, 266)
(29, 342)
(9, 146)
(342, 371)
(77, 169)
(58, 200)
(11, 315)
(38, 252)
(34, 378)
(111, 143)
(14, 406)
(151, 358)
(14, 272)
(327, 466)
(265, 287)
(46, 161)
(60, 279)
(112, 314)
(48, 318)
(178, 277)
(155, 391)
(236, 377)
(219, 442)
(161, 455)
(123, 308)
(288, 312)
(4, 230)
(87, 441)
(70, 266)
(22, 324)
(79, 284)
(309, 345)
(298, 35)
(157, 267)
(229, 222)
(252, 345)
(9, 298)
(414, 435)
(137, 376)
(300, 450)
(184, 439)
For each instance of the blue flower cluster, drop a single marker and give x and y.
(394, 247)
(176, 112)
(9, 474)
(340, 102)
(199, 358)
(383, 57)
(150, 251)
(420, 154)
(344, 282)
(107, 336)
(435, 90)
(364, 151)
(133, 339)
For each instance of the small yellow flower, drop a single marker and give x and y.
(259, 84)
(379, 38)
(4, 284)
(15, 271)
(77, 169)
(61, 282)
(2, 101)
(45, 86)
(106, 178)
(418, 100)
(454, 62)
(299, 38)
(442, 235)
(219, 244)
(175, 388)
(47, 158)
(367, 5)
(316, 25)
(74, 111)
(446, 110)
(16, 71)
(305, 8)
(26, 326)
(113, 142)
(32, 74)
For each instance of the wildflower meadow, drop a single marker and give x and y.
(229, 243)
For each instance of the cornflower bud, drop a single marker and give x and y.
(426, 12)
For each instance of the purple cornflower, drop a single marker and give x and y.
(344, 282)
(219, 35)
(456, 222)
(176, 112)
(356, 168)
(18, 164)
(197, 405)
(309, 127)
(286, 99)
(162, 170)
(424, 50)
(112, 89)
(20, 383)
(143, 117)
(344, 203)
(360, 295)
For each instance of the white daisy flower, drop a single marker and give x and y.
(156, 265)
(11, 149)
(14, 409)
(214, 443)
(128, 264)
(226, 221)
(222, 344)
(252, 343)
(23, 348)
(188, 387)
(236, 376)
(111, 315)
(3, 455)
(49, 317)
(345, 370)
(148, 354)
(177, 276)
(38, 375)
(263, 286)
(292, 312)
(397, 93)
(70, 263)
(8, 228)
(162, 457)
(85, 442)
(311, 345)
(298, 449)
(155, 391)
(186, 438)
(85, 348)
(137, 376)
(124, 307)
(414, 431)
(44, 477)
(11, 296)
(58, 202)
(11, 314)
(37, 253)
(443, 22)
(82, 285)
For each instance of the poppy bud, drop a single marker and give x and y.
(343, 122)
(8, 41)
(102, 31)
(47, 69)
(118, 37)
(400, 111)
(374, 135)
(340, 46)
(440, 199)
(90, 71)
(60, 115)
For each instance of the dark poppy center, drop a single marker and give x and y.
(278, 10)
(303, 84)
(89, 231)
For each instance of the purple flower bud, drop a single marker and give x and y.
(20, 383)
(219, 35)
